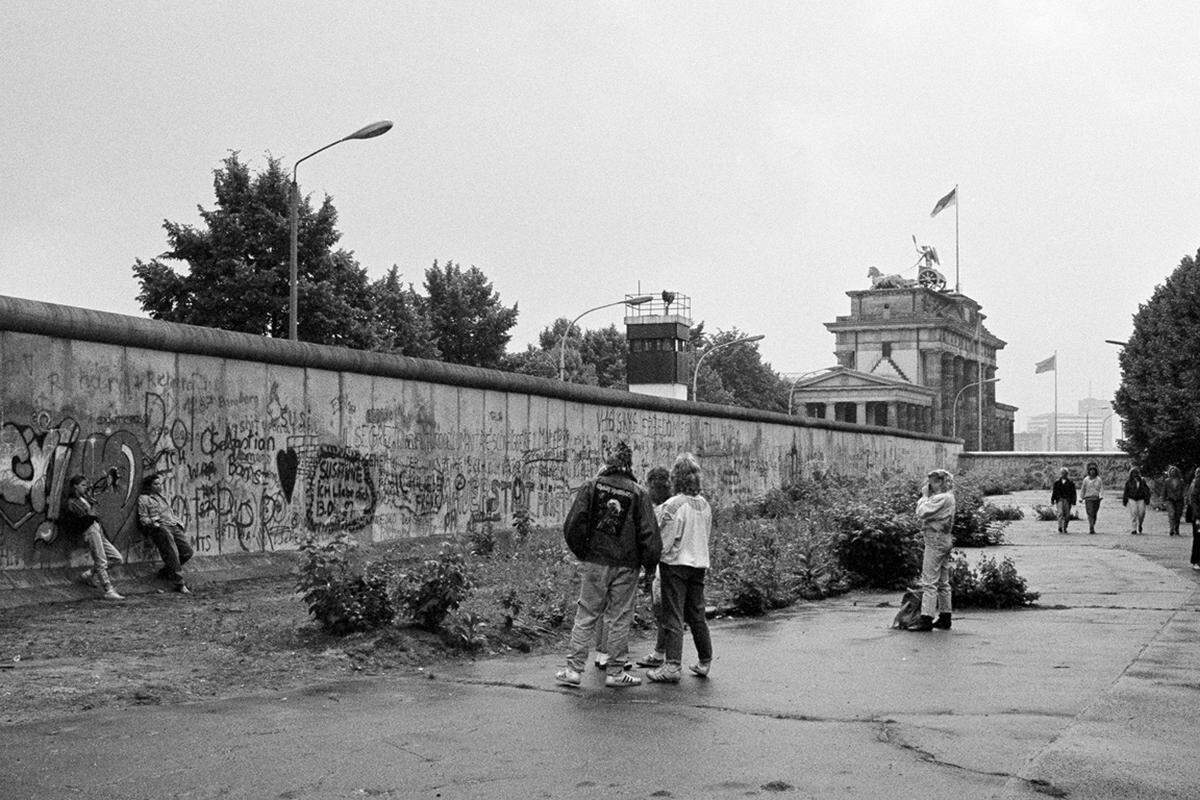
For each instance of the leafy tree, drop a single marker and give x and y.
(470, 324)
(592, 357)
(400, 313)
(736, 374)
(238, 265)
(1159, 396)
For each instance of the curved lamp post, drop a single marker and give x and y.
(958, 396)
(562, 343)
(801, 377)
(696, 373)
(367, 132)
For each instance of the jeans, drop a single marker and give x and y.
(103, 552)
(1137, 513)
(173, 547)
(1196, 542)
(935, 573)
(683, 601)
(1092, 504)
(608, 592)
(1064, 514)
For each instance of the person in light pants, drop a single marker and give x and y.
(936, 510)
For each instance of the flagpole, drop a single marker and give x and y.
(1055, 401)
(956, 286)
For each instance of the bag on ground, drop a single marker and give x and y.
(910, 610)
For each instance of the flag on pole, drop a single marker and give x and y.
(1049, 365)
(945, 202)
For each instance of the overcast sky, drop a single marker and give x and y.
(759, 157)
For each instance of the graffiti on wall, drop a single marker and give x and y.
(253, 464)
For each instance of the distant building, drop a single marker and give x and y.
(905, 354)
(1090, 428)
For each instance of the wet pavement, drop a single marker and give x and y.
(1096, 694)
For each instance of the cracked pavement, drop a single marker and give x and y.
(1094, 695)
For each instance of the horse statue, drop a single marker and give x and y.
(894, 281)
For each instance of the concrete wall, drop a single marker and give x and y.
(1041, 469)
(265, 442)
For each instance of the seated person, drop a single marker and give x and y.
(165, 529)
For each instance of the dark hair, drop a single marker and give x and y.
(148, 480)
(1092, 466)
(75, 480)
(685, 475)
(658, 481)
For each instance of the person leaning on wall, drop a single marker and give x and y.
(165, 530)
(80, 520)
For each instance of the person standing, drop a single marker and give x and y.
(686, 527)
(1093, 492)
(80, 520)
(611, 529)
(1174, 492)
(1135, 497)
(165, 530)
(935, 511)
(1062, 497)
(1193, 503)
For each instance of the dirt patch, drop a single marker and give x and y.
(224, 640)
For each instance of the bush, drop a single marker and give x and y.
(881, 547)
(435, 587)
(1003, 513)
(992, 482)
(748, 555)
(342, 599)
(991, 586)
(1050, 513)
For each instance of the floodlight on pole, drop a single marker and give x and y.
(696, 372)
(562, 342)
(365, 132)
(958, 396)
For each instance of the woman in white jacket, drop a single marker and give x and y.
(685, 522)
(935, 510)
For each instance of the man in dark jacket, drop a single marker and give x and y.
(1062, 497)
(611, 529)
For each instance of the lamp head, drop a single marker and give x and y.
(371, 131)
(637, 301)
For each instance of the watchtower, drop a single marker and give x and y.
(660, 353)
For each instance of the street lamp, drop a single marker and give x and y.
(799, 378)
(562, 343)
(958, 396)
(696, 373)
(1117, 343)
(367, 132)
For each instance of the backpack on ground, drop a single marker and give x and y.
(910, 610)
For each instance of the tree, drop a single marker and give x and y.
(470, 324)
(402, 318)
(238, 265)
(592, 357)
(736, 374)
(1159, 395)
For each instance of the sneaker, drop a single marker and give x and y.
(667, 673)
(601, 660)
(111, 594)
(700, 670)
(183, 589)
(568, 677)
(1196, 567)
(651, 661)
(622, 680)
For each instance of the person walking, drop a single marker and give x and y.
(165, 530)
(1062, 497)
(686, 527)
(80, 520)
(935, 511)
(1093, 492)
(611, 529)
(1193, 504)
(1135, 497)
(1174, 493)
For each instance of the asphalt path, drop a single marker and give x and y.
(1095, 694)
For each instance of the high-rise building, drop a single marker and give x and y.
(1091, 427)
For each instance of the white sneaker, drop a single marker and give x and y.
(601, 660)
(621, 681)
(111, 594)
(568, 677)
